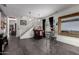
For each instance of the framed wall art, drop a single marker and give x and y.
(23, 22)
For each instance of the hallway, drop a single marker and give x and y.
(39, 47)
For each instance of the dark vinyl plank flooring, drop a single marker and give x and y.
(39, 47)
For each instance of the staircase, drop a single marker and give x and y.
(29, 28)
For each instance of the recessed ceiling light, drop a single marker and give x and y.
(38, 19)
(30, 19)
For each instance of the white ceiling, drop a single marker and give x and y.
(34, 10)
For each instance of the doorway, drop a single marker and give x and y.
(12, 27)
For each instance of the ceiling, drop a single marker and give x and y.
(34, 10)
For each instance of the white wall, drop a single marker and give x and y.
(30, 24)
(8, 28)
(18, 27)
(68, 40)
(12, 22)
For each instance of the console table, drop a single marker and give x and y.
(38, 34)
